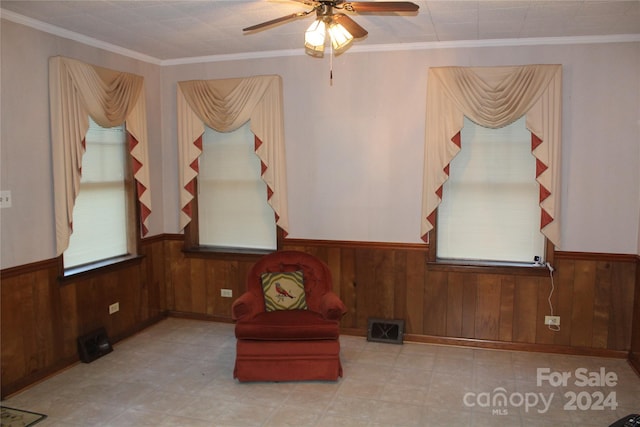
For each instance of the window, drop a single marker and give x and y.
(233, 211)
(104, 211)
(490, 207)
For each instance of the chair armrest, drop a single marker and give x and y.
(247, 305)
(331, 307)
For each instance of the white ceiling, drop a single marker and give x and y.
(170, 30)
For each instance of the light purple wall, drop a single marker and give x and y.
(354, 147)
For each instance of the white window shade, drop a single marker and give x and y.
(490, 204)
(100, 213)
(232, 198)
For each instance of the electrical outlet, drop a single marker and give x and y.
(114, 308)
(5, 199)
(552, 320)
(227, 293)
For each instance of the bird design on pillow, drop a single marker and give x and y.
(282, 292)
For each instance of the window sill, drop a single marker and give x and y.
(487, 267)
(225, 252)
(99, 267)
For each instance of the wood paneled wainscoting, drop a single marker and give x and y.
(495, 307)
(634, 354)
(43, 315)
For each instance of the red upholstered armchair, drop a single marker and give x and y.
(288, 344)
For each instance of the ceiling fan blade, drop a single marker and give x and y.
(277, 21)
(352, 26)
(381, 6)
(312, 3)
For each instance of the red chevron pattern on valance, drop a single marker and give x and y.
(494, 97)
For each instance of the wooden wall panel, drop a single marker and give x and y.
(621, 312)
(41, 317)
(589, 294)
(634, 355)
(155, 295)
(507, 291)
(584, 284)
(199, 287)
(501, 307)
(15, 305)
(399, 287)
(469, 304)
(415, 283)
(487, 324)
(194, 281)
(348, 287)
(601, 305)
(180, 278)
(335, 265)
(173, 257)
(68, 322)
(544, 335)
(455, 299)
(218, 280)
(564, 274)
(375, 270)
(224, 275)
(525, 316)
(435, 303)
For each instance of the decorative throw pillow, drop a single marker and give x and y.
(283, 291)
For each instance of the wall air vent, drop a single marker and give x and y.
(383, 330)
(94, 345)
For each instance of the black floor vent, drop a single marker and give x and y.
(94, 345)
(383, 330)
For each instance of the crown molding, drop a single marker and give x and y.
(234, 57)
(531, 41)
(456, 44)
(71, 35)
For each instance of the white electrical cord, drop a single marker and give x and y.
(555, 328)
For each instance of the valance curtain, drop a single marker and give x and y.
(225, 105)
(494, 97)
(77, 91)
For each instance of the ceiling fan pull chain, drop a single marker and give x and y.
(331, 66)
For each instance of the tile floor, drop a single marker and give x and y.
(179, 373)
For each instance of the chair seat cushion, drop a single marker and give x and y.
(287, 325)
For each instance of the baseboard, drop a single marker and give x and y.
(502, 345)
(140, 327)
(634, 361)
(199, 316)
(390, 331)
(354, 332)
(35, 377)
(461, 342)
(513, 346)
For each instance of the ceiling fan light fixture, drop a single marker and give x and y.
(314, 37)
(340, 36)
(341, 28)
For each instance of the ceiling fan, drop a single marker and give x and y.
(340, 27)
